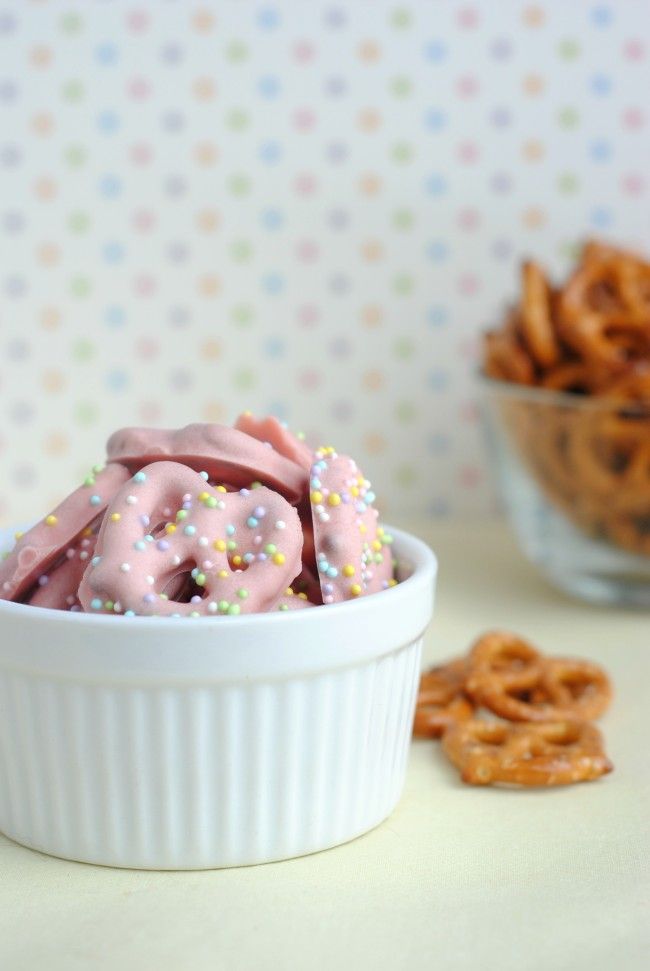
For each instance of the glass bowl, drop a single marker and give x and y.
(575, 479)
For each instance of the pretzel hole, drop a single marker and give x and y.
(158, 529)
(182, 587)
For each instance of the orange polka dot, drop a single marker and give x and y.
(53, 381)
(533, 151)
(214, 411)
(45, 189)
(533, 218)
(56, 444)
(48, 254)
(369, 120)
(211, 350)
(203, 21)
(206, 154)
(372, 251)
(208, 220)
(209, 285)
(50, 318)
(374, 443)
(373, 380)
(369, 51)
(204, 89)
(43, 124)
(41, 56)
(371, 316)
(533, 84)
(533, 16)
(369, 184)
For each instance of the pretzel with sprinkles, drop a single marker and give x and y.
(45, 543)
(272, 431)
(171, 545)
(353, 554)
(58, 588)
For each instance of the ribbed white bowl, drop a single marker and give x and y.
(177, 744)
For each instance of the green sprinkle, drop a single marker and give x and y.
(211, 502)
(231, 545)
(223, 606)
(270, 548)
(283, 607)
(234, 609)
(242, 593)
(108, 605)
(181, 514)
(200, 579)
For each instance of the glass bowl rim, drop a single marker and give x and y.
(563, 399)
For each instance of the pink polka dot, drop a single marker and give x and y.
(303, 51)
(467, 87)
(468, 152)
(143, 220)
(307, 251)
(150, 411)
(309, 379)
(634, 50)
(137, 21)
(141, 154)
(304, 119)
(469, 219)
(147, 349)
(469, 476)
(138, 89)
(468, 285)
(469, 412)
(144, 285)
(471, 348)
(308, 315)
(305, 184)
(633, 119)
(633, 184)
(467, 18)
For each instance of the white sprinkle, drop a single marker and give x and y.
(150, 580)
(176, 560)
(213, 607)
(70, 600)
(207, 564)
(131, 500)
(258, 540)
(125, 567)
(117, 607)
(83, 555)
(69, 553)
(203, 540)
(280, 524)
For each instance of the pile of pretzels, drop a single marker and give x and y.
(537, 729)
(588, 448)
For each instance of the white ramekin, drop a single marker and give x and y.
(178, 744)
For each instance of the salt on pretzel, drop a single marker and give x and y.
(353, 554)
(226, 454)
(550, 754)
(167, 530)
(46, 542)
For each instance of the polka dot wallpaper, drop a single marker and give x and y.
(304, 208)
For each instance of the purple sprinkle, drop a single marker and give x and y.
(144, 520)
(43, 581)
(163, 544)
(259, 512)
(195, 599)
(261, 556)
(187, 505)
(328, 588)
(244, 492)
(149, 598)
(345, 498)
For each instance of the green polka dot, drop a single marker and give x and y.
(568, 49)
(403, 284)
(241, 250)
(568, 118)
(75, 156)
(78, 222)
(405, 411)
(403, 348)
(239, 185)
(401, 87)
(85, 412)
(402, 153)
(569, 250)
(83, 350)
(406, 476)
(568, 183)
(403, 219)
(71, 23)
(400, 18)
(236, 51)
(237, 119)
(80, 286)
(244, 379)
(242, 315)
(73, 91)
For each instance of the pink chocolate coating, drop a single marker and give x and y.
(352, 551)
(45, 542)
(283, 441)
(293, 602)
(167, 525)
(226, 454)
(59, 587)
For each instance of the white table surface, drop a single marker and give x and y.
(457, 878)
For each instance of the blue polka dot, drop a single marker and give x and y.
(273, 283)
(277, 408)
(600, 150)
(438, 379)
(275, 347)
(117, 379)
(437, 251)
(601, 16)
(270, 152)
(600, 84)
(439, 443)
(106, 53)
(272, 218)
(437, 315)
(436, 184)
(601, 218)
(439, 508)
(115, 316)
(435, 119)
(435, 51)
(268, 86)
(110, 186)
(268, 18)
(108, 122)
(113, 252)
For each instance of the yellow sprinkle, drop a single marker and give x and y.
(376, 545)
(18, 535)
(354, 491)
(288, 592)
(248, 413)
(316, 497)
(279, 558)
(170, 528)
(334, 499)
(236, 560)
(203, 496)
(363, 528)
(380, 530)
(223, 574)
(348, 570)
(115, 517)
(220, 544)
(51, 521)
(221, 488)
(355, 589)
(392, 582)
(302, 596)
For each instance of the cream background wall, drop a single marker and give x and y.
(300, 207)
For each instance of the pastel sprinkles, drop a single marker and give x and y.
(206, 520)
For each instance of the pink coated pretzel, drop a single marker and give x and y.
(352, 552)
(58, 588)
(167, 534)
(283, 441)
(226, 454)
(37, 549)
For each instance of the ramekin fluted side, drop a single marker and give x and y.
(204, 775)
